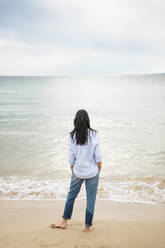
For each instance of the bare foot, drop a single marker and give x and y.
(88, 229)
(62, 225)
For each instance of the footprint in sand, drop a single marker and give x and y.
(97, 245)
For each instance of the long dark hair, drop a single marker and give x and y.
(81, 127)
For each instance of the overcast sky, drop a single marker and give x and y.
(82, 37)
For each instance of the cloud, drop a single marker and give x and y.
(82, 37)
(23, 59)
(117, 19)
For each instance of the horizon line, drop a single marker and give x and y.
(117, 75)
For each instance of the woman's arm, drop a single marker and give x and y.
(71, 155)
(98, 154)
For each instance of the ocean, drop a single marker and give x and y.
(36, 115)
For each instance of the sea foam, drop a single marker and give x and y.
(149, 190)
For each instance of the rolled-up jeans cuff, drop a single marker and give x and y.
(89, 225)
(66, 218)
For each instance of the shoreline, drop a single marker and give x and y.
(150, 190)
(83, 199)
(24, 223)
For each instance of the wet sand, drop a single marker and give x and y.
(117, 225)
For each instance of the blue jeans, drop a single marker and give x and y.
(91, 185)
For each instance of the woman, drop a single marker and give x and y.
(85, 161)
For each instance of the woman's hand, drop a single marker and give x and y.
(99, 166)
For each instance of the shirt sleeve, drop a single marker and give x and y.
(98, 154)
(71, 155)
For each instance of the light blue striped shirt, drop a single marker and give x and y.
(84, 158)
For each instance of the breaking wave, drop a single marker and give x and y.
(125, 189)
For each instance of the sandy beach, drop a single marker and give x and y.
(117, 225)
